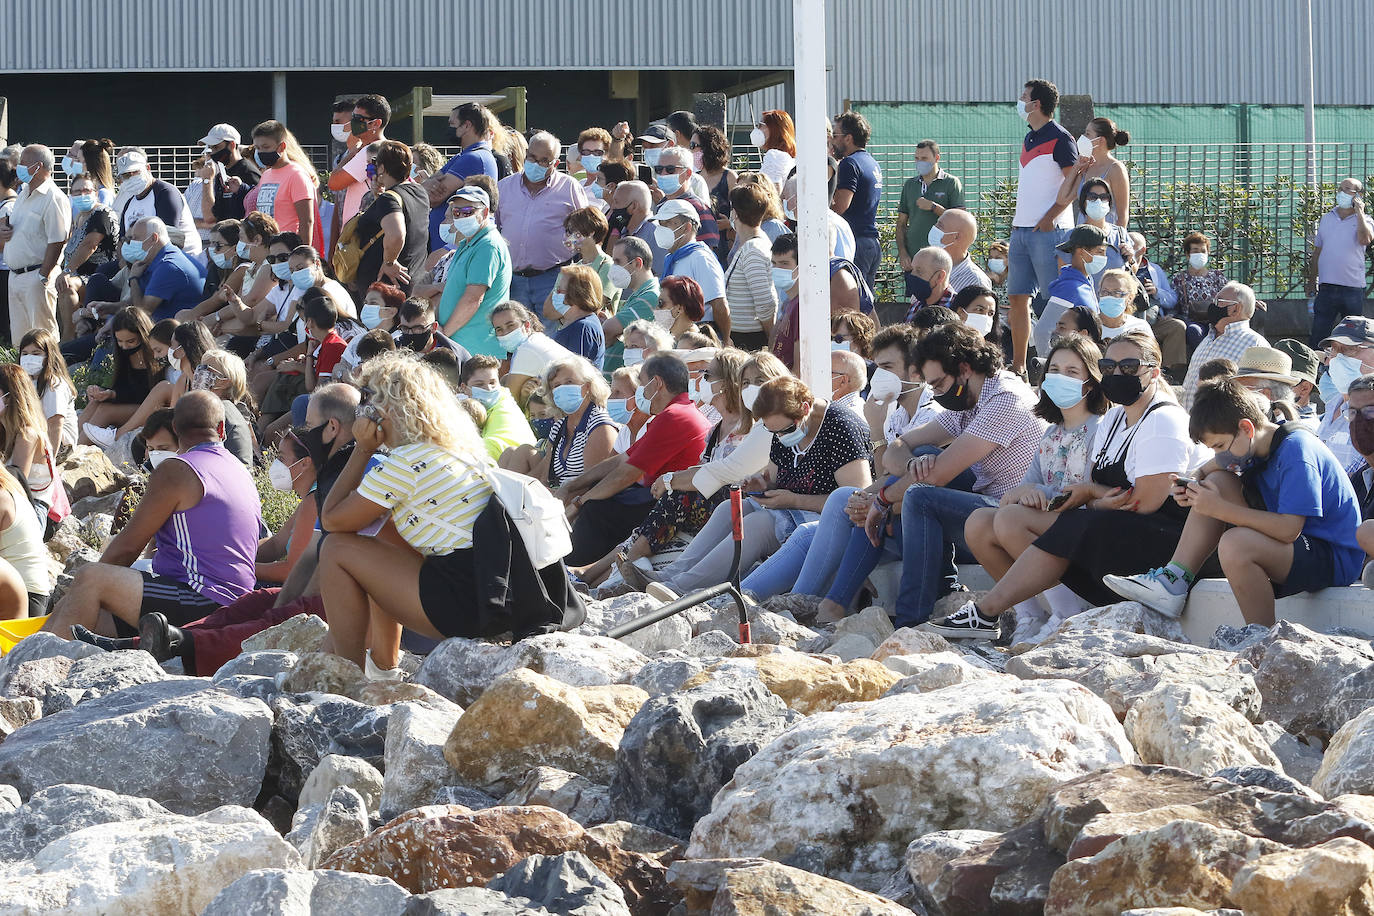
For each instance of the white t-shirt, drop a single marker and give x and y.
(899, 421)
(1161, 444)
(535, 355)
(59, 400)
(285, 302)
(844, 236)
(1132, 324)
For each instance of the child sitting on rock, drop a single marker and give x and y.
(1284, 524)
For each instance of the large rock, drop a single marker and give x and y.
(461, 669)
(1005, 875)
(311, 726)
(166, 865)
(1123, 617)
(100, 675)
(1347, 767)
(806, 683)
(468, 901)
(336, 770)
(321, 672)
(765, 627)
(16, 713)
(276, 892)
(37, 647)
(436, 847)
(667, 672)
(1334, 879)
(682, 747)
(667, 634)
(746, 887)
(320, 830)
(298, 635)
(415, 764)
(1298, 670)
(638, 838)
(1198, 859)
(576, 796)
(263, 663)
(185, 745)
(927, 855)
(87, 472)
(911, 641)
(934, 671)
(1186, 727)
(526, 719)
(54, 812)
(569, 883)
(843, 793)
(1120, 790)
(1352, 695)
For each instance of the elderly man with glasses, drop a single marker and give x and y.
(1350, 356)
(531, 207)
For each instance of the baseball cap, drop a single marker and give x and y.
(219, 133)
(1084, 236)
(472, 193)
(1351, 331)
(1305, 361)
(132, 161)
(671, 209)
(657, 133)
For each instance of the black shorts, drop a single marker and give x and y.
(175, 600)
(1313, 569)
(448, 591)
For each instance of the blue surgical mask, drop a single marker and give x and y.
(509, 342)
(560, 304)
(668, 184)
(467, 226)
(370, 316)
(1096, 264)
(1062, 390)
(619, 409)
(651, 157)
(221, 260)
(83, 202)
(783, 278)
(1327, 388)
(449, 233)
(591, 163)
(643, 401)
(1344, 200)
(535, 172)
(281, 270)
(791, 439)
(568, 398)
(487, 397)
(133, 251)
(1344, 370)
(924, 168)
(303, 278)
(71, 168)
(242, 249)
(594, 190)
(1112, 306)
(23, 172)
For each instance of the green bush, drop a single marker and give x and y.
(277, 505)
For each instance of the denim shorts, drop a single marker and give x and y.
(1033, 261)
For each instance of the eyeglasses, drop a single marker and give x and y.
(212, 372)
(668, 169)
(1127, 366)
(694, 146)
(591, 152)
(278, 258)
(465, 211)
(1366, 412)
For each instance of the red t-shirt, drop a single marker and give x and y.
(673, 440)
(327, 354)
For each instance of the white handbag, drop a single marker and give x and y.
(538, 515)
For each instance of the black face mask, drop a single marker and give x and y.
(618, 218)
(313, 440)
(417, 341)
(268, 159)
(1216, 313)
(1122, 389)
(920, 287)
(958, 397)
(222, 155)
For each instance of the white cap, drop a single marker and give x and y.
(132, 161)
(699, 355)
(219, 133)
(671, 209)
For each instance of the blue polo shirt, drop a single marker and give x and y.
(473, 160)
(484, 260)
(1071, 288)
(859, 172)
(585, 338)
(175, 279)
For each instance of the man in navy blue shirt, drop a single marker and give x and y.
(169, 280)
(471, 122)
(859, 189)
(1086, 247)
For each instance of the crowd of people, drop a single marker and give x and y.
(617, 320)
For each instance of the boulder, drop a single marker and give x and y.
(638, 838)
(745, 887)
(185, 745)
(842, 793)
(1352, 695)
(436, 847)
(98, 505)
(164, 865)
(849, 647)
(1200, 861)
(1335, 878)
(765, 627)
(300, 634)
(311, 726)
(462, 795)
(927, 855)
(262, 663)
(87, 472)
(681, 748)
(321, 672)
(1186, 727)
(16, 713)
(1347, 767)
(468, 901)
(1124, 617)
(277, 892)
(526, 719)
(1298, 670)
(35, 648)
(56, 811)
(933, 671)
(1264, 778)
(1004, 875)
(712, 644)
(1300, 759)
(576, 796)
(336, 770)
(321, 829)
(1070, 806)
(668, 634)
(806, 683)
(100, 675)
(461, 669)
(414, 756)
(667, 672)
(568, 883)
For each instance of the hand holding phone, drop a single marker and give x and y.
(1058, 501)
(1184, 482)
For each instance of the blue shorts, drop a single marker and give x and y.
(1313, 569)
(1033, 260)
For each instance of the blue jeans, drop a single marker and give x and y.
(1034, 261)
(776, 575)
(932, 534)
(532, 291)
(1331, 305)
(809, 558)
(867, 254)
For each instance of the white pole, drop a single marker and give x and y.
(813, 236)
(1310, 99)
(279, 95)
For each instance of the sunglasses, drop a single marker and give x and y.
(278, 258)
(1127, 366)
(667, 169)
(1098, 195)
(465, 211)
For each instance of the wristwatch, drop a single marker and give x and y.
(271, 362)
(668, 481)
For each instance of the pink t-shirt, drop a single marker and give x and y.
(353, 194)
(281, 187)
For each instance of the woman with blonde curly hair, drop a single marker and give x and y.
(430, 483)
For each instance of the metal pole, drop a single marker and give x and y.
(1309, 98)
(813, 235)
(279, 95)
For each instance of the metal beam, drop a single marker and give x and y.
(813, 204)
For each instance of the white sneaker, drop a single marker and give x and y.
(661, 592)
(966, 623)
(103, 436)
(1159, 589)
(380, 674)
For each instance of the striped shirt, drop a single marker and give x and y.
(1003, 417)
(1231, 343)
(966, 274)
(433, 496)
(568, 462)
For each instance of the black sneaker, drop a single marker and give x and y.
(108, 643)
(159, 638)
(966, 623)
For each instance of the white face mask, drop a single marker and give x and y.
(980, 323)
(1097, 209)
(1344, 200)
(32, 363)
(663, 318)
(997, 265)
(1197, 260)
(1021, 109)
(884, 386)
(620, 277)
(634, 356)
(749, 395)
(339, 132)
(1085, 147)
(159, 455)
(700, 391)
(280, 475)
(757, 137)
(665, 237)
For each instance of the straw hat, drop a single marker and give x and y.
(1267, 363)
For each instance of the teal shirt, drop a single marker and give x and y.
(640, 304)
(483, 259)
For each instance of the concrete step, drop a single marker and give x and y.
(1211, 604)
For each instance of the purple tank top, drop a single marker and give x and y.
(212, 546)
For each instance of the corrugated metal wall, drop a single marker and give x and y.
(1153, 52)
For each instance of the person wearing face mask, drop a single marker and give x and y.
(592, 145)
(290, 472)
(775, 137)
(41, 358)
(586, 235)
(418, 330)
(136, 371)
(577, 302)
(288, 190)
(231, 176)
(842, 244)
(505, 426)
(711, 161)
(1197, 287)
(529, 351)
(676, 223)
(479, 277)
(1095, 199)
(228, 280)
(94, 240)
(858, 190)
(1229, 334)
(1350, 354)
(1305, 366)
(1086, 247)
(927, 282)
(1336, 269)
(1117, 295)
(584, 435)
(848, 379)
(1268, 372)
(366, 125)
(1359, 402)
(1096, 163)
(142, 196)
(955, 231)
(470, 123)
(532, 208)
(749, 279)
(639, 291)
(1296, 540)
(32, 236)
(977, 308)
(25, 447)
(631, 207)
(676, 178)
(188, 344)
(924, 200)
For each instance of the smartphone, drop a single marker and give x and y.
(754, 492)
(1058, 501)
(1182, 481)
(371, 412)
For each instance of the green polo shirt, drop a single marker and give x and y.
(639, 304)
(483, 260)
(944, 189)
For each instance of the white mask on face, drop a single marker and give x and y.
(665, 237)
(634, 356)
(1197, 260)
(749, 395)
(884, 386)
(1085, 147)
(757, 138)
(339, 132)
(1097, 209)
(280, 476)
(32, 363)
(980, 323)
(159, 455)
(620, 277)
(997, 265)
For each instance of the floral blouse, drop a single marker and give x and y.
(1196, 293)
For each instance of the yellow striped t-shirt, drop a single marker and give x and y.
(434, 497)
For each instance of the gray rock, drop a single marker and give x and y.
(414, 756)
(322, 672)
(712, 644)
(56, 811)
(300, 634)
(567, 884)
(337, 770)
(17, 712)
(319, 830)
(103, 505)
(9, 799)
(311, 726)
(668, 671)
(468, 901)
(576, 796)
(40, 646)
(1264, 778)
(1352, 695)
(638, 838)
(100, 675)
(267, 663)
(765, 627)
(251, 687)
(1298, 670)
(462, 795)
(1233, 639)
(276, 892)
(1300, 760)
(669, 633)
(680, 748)
(184, 744)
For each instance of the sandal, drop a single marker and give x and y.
(632, 574)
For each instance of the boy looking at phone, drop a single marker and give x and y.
(1279, 526)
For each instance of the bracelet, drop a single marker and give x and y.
(881, 496)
